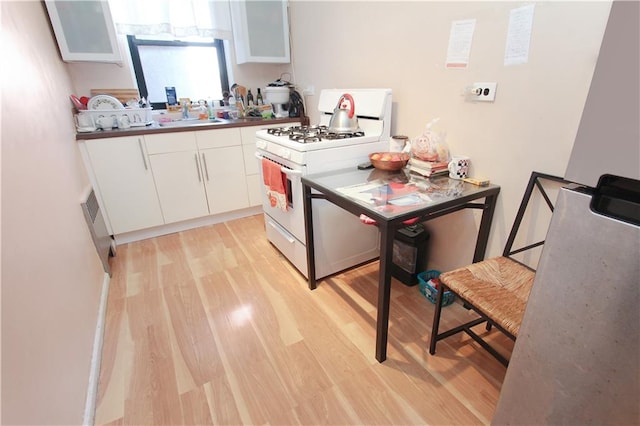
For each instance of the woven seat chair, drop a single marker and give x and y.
(497, 289)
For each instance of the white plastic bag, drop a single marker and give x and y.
(431, 144)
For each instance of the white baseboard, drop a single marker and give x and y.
(96, 357)
(157, 231)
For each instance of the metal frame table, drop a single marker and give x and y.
(441, 196)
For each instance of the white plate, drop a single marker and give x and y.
(104, 102)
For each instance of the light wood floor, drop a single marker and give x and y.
(214, 326)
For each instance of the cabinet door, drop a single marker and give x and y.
(125, 182)
(254, 190)
(260, 31)
(225, 180)
(179, 181)
(84, 30)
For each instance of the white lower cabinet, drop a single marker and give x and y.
(160, 179)
(125, 182)
(198, 173)
(224, 178)
(255, 188)
(179, 183)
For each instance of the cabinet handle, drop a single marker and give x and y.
(206, 170)
(198, 167)
(144, 159)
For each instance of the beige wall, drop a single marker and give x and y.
(51, 274)
(402, 45)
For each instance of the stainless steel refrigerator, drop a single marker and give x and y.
(577, 357)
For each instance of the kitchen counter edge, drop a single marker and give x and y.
(154, 128)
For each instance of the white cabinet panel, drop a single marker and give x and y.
(196, 182)
(260, 31)
(254, 189)
(121, 168)
(178, 177)
(218, 138)
(170, 142)
(84, 30)
(225, 179)
(250, 160)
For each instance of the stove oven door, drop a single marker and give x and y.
(292, 220)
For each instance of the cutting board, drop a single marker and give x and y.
(123, 95)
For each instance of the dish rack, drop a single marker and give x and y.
(138, 117)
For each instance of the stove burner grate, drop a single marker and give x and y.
(307, 134)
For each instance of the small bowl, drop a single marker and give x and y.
(389, 160)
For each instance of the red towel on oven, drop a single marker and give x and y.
(275, 184)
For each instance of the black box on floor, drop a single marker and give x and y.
(409, 253)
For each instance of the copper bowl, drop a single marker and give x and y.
(389, 160)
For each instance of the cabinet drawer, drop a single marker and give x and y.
(218, 138)
(170, 142)
(250, 161)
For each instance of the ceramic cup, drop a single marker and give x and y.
(398, 143)
(85, 122)
(124, 122)
(106, 123)
(459, 167)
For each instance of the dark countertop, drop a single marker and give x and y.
(155, 128)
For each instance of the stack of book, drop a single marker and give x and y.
(427, 168)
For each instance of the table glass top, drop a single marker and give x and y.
(392, 194)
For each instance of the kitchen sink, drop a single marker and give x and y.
(181, 122)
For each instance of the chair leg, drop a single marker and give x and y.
(436, 319)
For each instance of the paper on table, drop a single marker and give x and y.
(410, 200)
(361, 191)
(381, 194)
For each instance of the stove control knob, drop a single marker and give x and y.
(261, 144)
(285, 153)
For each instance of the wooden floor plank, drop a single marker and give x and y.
(195, 407)
(193, 335)
(215, 326)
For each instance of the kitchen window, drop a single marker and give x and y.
(197, 69)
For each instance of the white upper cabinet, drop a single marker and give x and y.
(261, 31)
(84, 31)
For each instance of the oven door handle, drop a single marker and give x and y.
(284, 234)
(283, 169)
(290, 172)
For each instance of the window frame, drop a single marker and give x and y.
(134, 42)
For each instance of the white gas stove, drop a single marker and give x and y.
(343, 241)
(372, 107)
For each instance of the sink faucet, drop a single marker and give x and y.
(185, 110)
